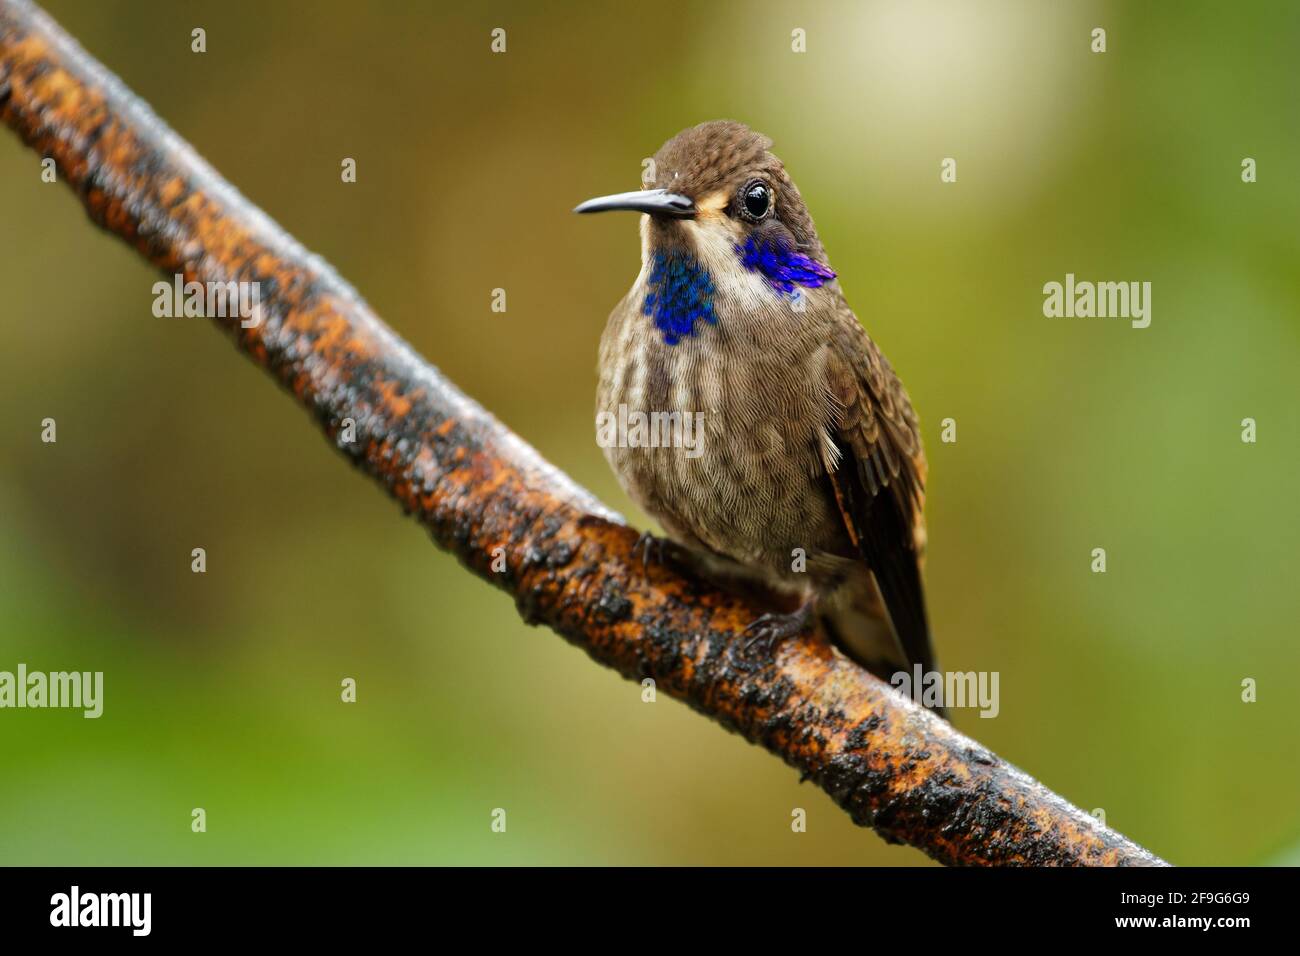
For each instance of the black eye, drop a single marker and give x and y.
(756, 200)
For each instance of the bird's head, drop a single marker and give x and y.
(721, 219)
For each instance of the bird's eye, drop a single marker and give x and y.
(756, 200)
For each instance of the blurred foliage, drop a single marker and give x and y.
(1120, 691)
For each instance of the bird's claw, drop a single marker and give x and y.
(768, 630)
(647, 543)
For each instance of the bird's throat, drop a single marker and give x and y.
(680, 289)
(679, 295)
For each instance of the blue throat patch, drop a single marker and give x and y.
(680, 293)
(783, 266)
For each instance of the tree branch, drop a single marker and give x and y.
(477, 487)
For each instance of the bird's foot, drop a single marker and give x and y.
(651, 548)
(771, 629)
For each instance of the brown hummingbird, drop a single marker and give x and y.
(805, 467)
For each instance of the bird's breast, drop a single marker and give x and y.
(735, 416)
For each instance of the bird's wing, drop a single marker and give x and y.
(879, 478)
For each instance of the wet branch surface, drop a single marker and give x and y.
(477, 487)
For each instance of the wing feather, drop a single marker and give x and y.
(879, 482)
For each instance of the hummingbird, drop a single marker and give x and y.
(809, 477)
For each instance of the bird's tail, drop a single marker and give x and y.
(856, 618)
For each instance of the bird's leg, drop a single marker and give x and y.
(770, 629)
(650, 546)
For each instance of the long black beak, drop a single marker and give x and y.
(657, 202)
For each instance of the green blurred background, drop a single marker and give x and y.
(1120, 691)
